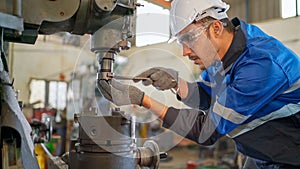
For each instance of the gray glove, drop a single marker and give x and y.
(120, 94)
(159, 77)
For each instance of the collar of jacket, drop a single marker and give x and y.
(237, 46)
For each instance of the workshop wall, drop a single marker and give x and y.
(50, 58)
(254, 10)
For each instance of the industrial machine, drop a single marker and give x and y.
(106, 141)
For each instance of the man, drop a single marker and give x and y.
(249, 89)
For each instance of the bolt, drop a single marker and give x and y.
(93, 132)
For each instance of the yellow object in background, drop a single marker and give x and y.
(144, 131)
(41, 156)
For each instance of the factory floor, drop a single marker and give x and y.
(198, 157)
(178, 157)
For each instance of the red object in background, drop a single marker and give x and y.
(37, 113)
(62, 77)
(191, 165)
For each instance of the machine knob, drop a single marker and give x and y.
(163, 155)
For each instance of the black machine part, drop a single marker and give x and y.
(23, 24)
(111, 144)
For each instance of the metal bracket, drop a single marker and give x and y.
(53, 11)
(11, 22)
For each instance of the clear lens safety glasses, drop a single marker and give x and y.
(190, 37)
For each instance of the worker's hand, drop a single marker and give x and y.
(120, 94)
(161, 78)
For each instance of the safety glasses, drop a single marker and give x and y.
(190, 37)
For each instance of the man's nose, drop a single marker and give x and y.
(186, 51)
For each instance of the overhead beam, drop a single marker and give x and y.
(162, 3)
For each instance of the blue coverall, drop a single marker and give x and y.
(252, 96)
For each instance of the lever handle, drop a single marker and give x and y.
(163, 155)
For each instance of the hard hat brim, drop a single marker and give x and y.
(172, 39)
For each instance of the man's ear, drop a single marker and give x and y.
(217, 28)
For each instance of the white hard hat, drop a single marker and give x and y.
(184, 12)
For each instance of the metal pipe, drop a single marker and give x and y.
(132, 134)
(17, 8)
(17, 11)
(297, 8)
(247, 10)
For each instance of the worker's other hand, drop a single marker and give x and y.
(159, 77)
(120, 94)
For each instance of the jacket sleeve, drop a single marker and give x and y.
(192, 124)
(197, 97)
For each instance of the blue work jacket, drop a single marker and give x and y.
(262, 84)
(252, 96)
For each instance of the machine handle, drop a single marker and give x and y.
(163, 155)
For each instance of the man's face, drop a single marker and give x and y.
(192, 56)
(197, 46)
